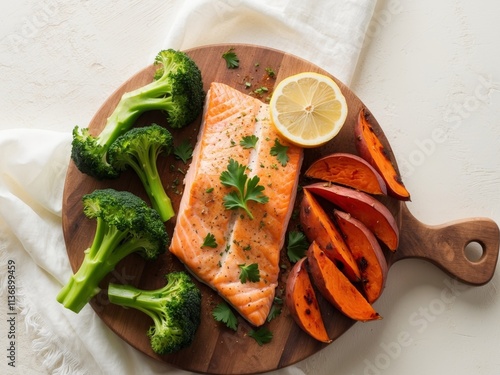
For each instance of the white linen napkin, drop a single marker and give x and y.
(328, 33)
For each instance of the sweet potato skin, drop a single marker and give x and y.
(371, 149)
(363, 207)
(336, 288)
(317, 226)
(348, 170)
(301, 301)
(367, 253)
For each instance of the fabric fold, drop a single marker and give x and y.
(329, 35)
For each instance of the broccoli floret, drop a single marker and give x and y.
(174, 308)
(180, 78)
(177, 90)
(125, 224)
(139, 148)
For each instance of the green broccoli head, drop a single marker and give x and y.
(89, 156)
(125, 224)
(128, 222)
(175, 310)
(180, 78)
(176, 89)
(139, 149)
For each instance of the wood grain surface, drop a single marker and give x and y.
(218, 350)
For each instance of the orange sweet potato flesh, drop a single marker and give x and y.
(363, 207)
(317, 226)
(371, 149)
(348, 170)
(336, 288)
(367, 253)
(301, 301)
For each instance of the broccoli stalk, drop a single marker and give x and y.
(174, 308)
(125, 224)
(139, 148)
(177, 89)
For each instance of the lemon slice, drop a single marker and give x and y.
(308, 109)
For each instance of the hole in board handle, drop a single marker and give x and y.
(474, 251)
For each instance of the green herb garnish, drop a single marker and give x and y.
(232, 60)
(297, 246)
(262, 335)
(270, 72)
(209, 241)
(248, 189)
(184, 151)
(223, 313)
(280, 151)
(261, 90)
(249, 273)
(249, 141)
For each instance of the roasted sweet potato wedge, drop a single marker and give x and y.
(367, 253)
(371, 149)
(301, 301)
(336, 288)
(348, 170)
(363, 207)
(317, 226)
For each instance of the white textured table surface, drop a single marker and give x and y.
(426, 65)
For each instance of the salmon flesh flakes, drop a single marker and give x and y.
(217, 244)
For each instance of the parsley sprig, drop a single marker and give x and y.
(249, 272)
(223, 313)
(297, 246)
(262, 335)
(280, 151)
(209, 241)
(275, 309)
(247, 189)
(249, 141)
(232, 60)
(184, 151)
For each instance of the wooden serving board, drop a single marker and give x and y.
(218, 350)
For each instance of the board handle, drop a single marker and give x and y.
(445, 246)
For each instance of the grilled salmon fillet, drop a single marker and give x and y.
(229, 116)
